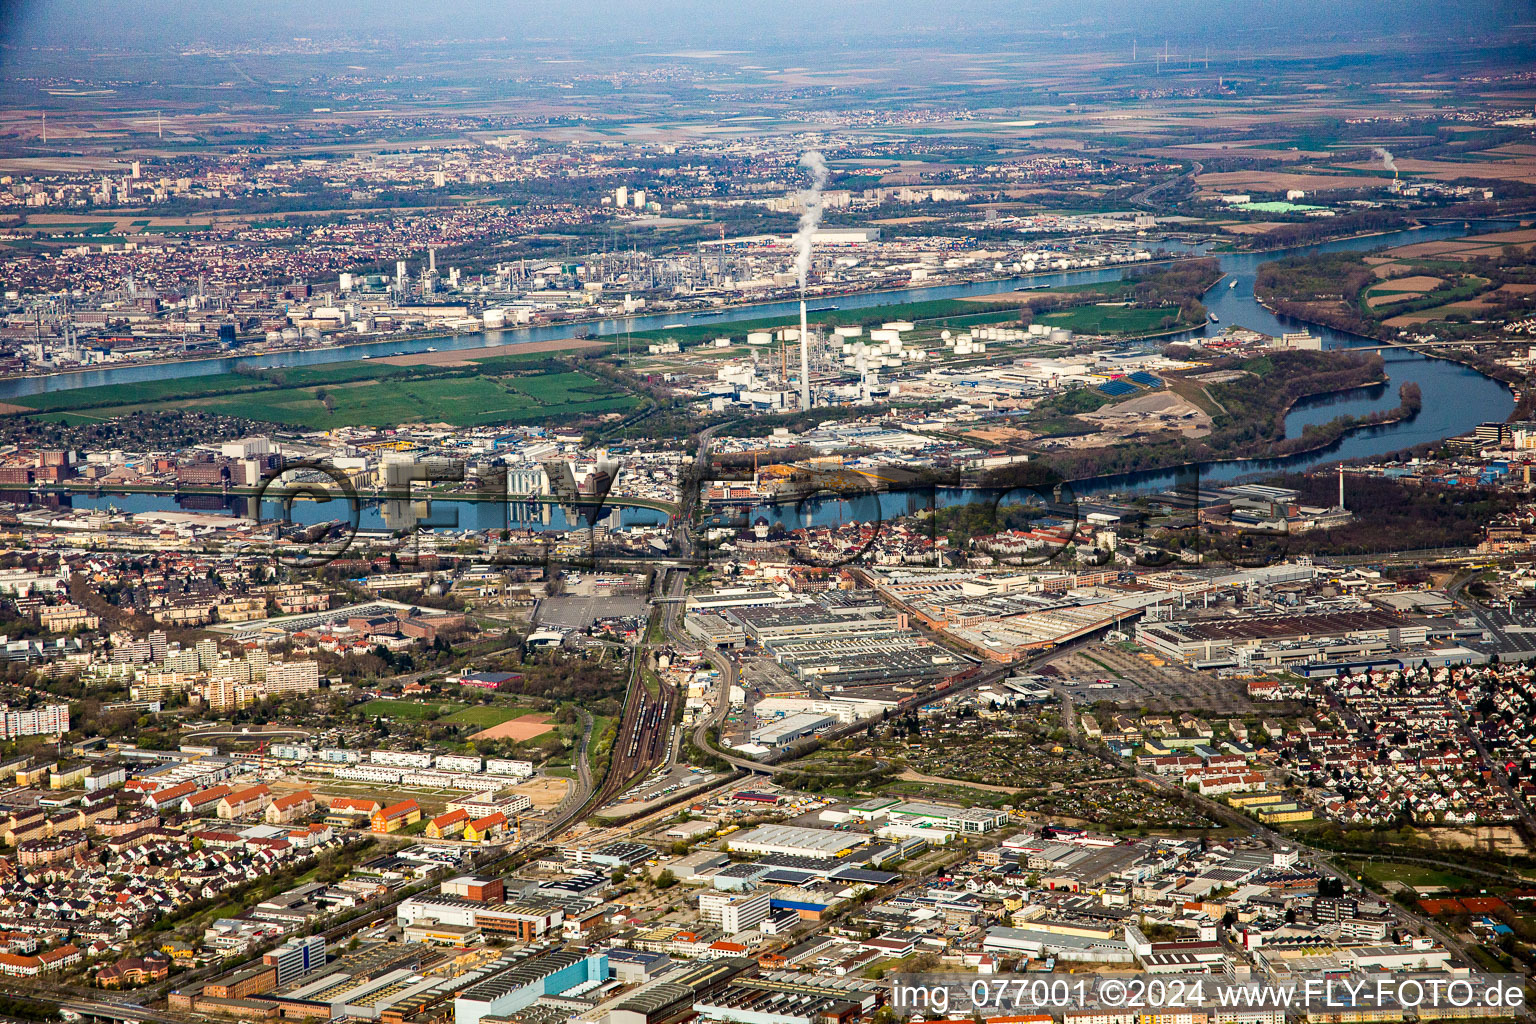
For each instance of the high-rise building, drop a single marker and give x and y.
(296, 958)
(292, 677)
(48, 720)
(735, 912)
(621, 196)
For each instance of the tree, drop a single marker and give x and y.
(666, 879)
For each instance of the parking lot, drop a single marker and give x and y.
(577, 611)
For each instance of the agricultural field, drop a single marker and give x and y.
(1452, 288)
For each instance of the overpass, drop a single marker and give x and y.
(124, 1013)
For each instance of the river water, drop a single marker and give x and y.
(1455, 398)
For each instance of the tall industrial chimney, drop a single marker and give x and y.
(805, 362)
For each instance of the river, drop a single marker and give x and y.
(1456, 398)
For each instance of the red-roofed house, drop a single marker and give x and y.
(488, 827)
(170, 798)
(354, 805)
(252, 800)
(291, 807)
(446, 825)
(396, 816)
(205, 801)
(310, 836)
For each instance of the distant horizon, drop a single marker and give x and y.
(787, 24)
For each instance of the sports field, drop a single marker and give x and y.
(415, 710)
(525, 727)
(487, 715)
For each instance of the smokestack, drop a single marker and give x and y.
(809, 219)
(805, 362)
(1341, 487)
(1387, 162)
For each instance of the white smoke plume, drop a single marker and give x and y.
(811, 216)
(1385, 157)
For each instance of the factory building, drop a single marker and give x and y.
(815, 843)
(1292, 637)
(521, 984)
(791, 728)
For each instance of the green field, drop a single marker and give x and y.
(1111, 319)
(139, 392)
(1416, 875)
(484, 716)
(411, 709)
(463, 401)
(363, 394)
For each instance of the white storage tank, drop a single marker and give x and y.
(760, 338)
(494, 318)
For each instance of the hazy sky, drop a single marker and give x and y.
(745, 24)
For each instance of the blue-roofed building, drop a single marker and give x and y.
(1147, 380)
(505, 989)
(1118, 388)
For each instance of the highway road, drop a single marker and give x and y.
(1146, 195)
